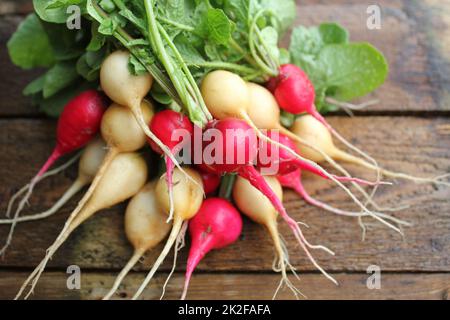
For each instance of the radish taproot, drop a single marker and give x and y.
(188, 197)
(172, 128)
(270, 155)
(293, 180)
(123, 178)
(90, 162)
(145, 228)
(129, 90)
(313, 131)
(253, 204)
(78, 124)
(216, 225)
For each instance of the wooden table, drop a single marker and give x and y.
(407, 131)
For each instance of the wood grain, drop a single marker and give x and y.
(236, 286)
(413, 37)
(408, 144)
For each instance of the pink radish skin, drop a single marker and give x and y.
(216, 225)
(163, 125)
(294, 91)
(287, 163)
(78, 124)
(211, 182)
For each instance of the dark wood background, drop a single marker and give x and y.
(407, 131)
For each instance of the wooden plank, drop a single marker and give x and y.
(236, 286)
(409, 144)
(413, 37)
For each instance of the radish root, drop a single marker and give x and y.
(176, 229)
(74, 189)
(179, 244)
(29, 190)
(315, 165)
(281, 262)
(137, 255)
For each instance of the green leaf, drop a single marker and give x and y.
(307, 43)
(219, 26)
(136, 67)
(97, 39)
(187, 50)
(58, 77)
(54, 105)
(333, 33)
(107, 27)
(66, 44)
(35, 86)
(107, 5)
(270, 38)
(85, 70)
(29, 47)
(352, 70)
(284, 12)
(54, 11)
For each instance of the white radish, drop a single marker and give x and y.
(123, 178)
(255, 205)
(121, 133)
(145, 227)
(187, 199)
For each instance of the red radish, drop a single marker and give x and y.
(163, 125)
(78, 124)
(211, 182)
(255, 205)
(188, 198)
(216, 225)
(286, 162)
(235, 137)
(123, 178)
(314, 132)
(293, 181)
(294, 91)
(145, 227)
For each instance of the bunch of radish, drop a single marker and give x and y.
(245, 139)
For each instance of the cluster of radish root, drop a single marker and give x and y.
(168, 207)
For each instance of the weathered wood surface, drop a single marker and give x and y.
(403, 143)
(236, 286)
(414, 37)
